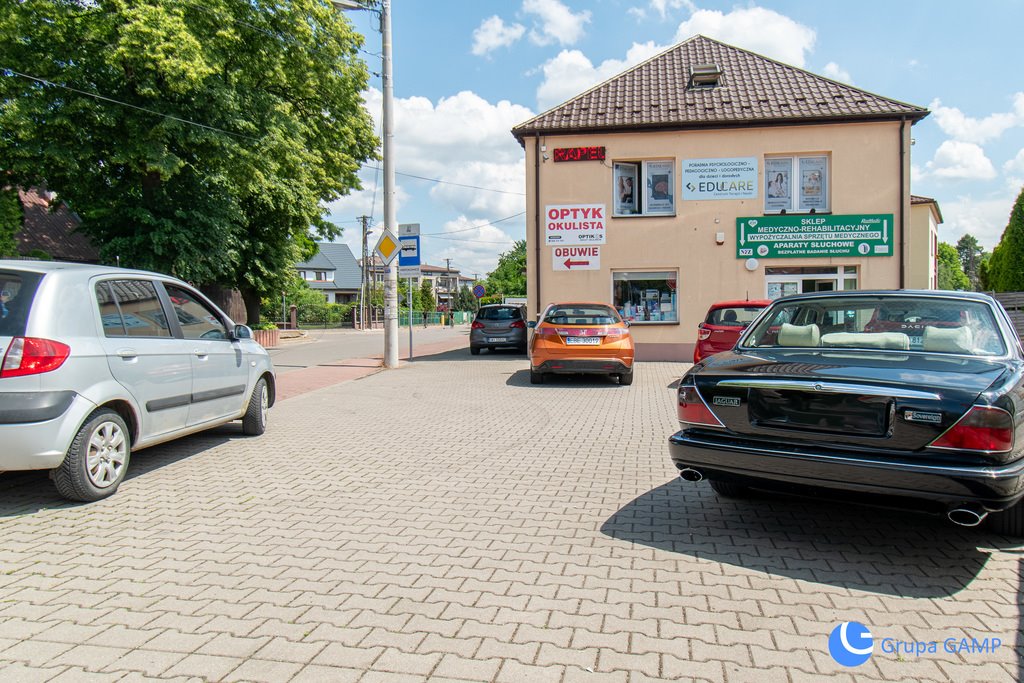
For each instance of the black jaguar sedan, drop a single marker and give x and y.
(900, 398)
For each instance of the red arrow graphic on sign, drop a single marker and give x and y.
(569, 263)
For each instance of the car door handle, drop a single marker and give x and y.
(127, 354)
(201, 355)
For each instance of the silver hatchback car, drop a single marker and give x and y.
(99, 362)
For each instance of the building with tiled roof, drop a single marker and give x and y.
(334, 271)
(925, 218)
(50, 227)
(708, 173)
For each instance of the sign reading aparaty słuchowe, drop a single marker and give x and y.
(814, 236)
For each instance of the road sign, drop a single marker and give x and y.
(807, 235)
(387, 247)
(479, 291)
(408, 229)
(576, 258)
(410, 254)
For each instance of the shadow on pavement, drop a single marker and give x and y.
(843, 545)
(521, 378)
(463, 354)
(23, 493)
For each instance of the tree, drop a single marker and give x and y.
(466, 300)
(951, 275)
(427, 302)
(1005, 268)
(12, 217)
(509, 277)
(200, 139)
(971, 255)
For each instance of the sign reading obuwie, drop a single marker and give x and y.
(809, 236)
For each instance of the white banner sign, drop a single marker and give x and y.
(576, 258)
(720, 178)
(574, 224)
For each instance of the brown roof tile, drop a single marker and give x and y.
(53, 229)
(752, 90)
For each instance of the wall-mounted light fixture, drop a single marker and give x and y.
(719, 238)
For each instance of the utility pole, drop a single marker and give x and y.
(390, 215)
(451, 297)
(365, 220)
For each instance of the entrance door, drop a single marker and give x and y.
(810, 285)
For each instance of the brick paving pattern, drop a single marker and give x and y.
(449, 522)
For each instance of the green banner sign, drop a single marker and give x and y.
(814, 236)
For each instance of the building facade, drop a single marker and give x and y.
(710, 173)
(334, 272)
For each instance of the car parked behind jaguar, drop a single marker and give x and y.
(100, 362)
(914, 398)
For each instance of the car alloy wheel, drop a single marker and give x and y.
(107, 455)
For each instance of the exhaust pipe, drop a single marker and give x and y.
(690, 474)
(967, 516)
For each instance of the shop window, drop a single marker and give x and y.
(796, 184)
(644, 188)
(646, 297)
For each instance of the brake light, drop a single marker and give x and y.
(517, 323)
(702, 332)
(693, 410)
(983, 428)
(33, 356)
(477, 326)
(547, 332)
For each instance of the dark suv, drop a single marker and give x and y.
(498, 325)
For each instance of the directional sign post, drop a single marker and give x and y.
(409, 263)
(576, 258)
(814, 236)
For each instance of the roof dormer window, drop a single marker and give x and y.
(704, 75)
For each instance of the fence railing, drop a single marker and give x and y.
(1013, 302)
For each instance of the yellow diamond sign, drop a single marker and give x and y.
(388, 247)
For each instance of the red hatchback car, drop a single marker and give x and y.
(723, 324)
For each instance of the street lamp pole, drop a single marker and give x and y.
(390, 218)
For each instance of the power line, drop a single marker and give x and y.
(9, 72)
(448, 182)
(456, 239)
(475, 227)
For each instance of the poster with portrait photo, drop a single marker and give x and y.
(625, 188)
(813, 190)
(660, 187)
(777, 191)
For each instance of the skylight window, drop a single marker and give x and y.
(705, 75)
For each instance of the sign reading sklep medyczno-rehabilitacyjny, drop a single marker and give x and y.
(720, 178)
(574, 224)
(814, 236)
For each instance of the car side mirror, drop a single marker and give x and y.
(626, 323)
(531, 324)
(242, 332)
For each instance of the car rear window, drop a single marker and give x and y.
(499, 314)
(733, 316)
(582, 314)
(17, 291)
(899, 323)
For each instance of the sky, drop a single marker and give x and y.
(465, 72)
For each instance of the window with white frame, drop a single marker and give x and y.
(796, 184)
(646, 296)
(644, 188)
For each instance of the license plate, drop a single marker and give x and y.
(583, 341)
(492, 340)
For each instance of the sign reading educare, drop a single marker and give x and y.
(705, 179)
(811, 236)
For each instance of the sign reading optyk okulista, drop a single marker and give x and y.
(576, 258)
(808, 235)
(574, 224)
(720, 178)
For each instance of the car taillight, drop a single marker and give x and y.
(547, 332)
(616, 332)
(693, 410)
(702, 332)
(477, 326)
(517, 323)
(32, 356)
(983, 428)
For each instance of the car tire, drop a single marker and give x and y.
(626, 378)
(536, 377)
(474, 350)
(97, 460)
(727, 489)
(254, 422)
(1009, 522)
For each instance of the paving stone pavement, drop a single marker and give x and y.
(448, 521)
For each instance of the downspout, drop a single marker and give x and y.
(536, 217)
(903, 227)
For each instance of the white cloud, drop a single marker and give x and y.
(570, 72)
(493, 33)
(985, 219)
(959, 126)
(663, 6)
(955, 160)
(473, 246)
(757, 29)
(555, 22)
(836, 73)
